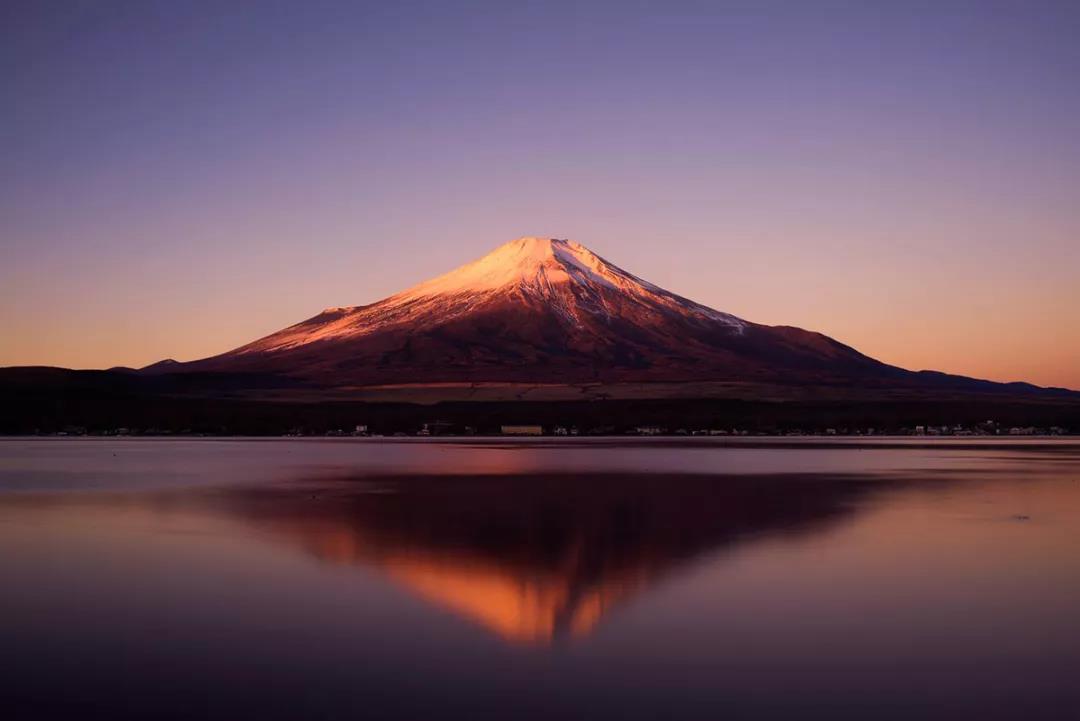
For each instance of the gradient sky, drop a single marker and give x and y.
(179, 178)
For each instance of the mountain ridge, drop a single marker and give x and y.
(541, 310)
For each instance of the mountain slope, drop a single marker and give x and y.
(542, 310)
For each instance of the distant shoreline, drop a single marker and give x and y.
(771, 442)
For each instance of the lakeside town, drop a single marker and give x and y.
(447, 429)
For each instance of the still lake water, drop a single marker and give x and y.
(574, 579)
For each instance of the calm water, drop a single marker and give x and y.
(552, 580)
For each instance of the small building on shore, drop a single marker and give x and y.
(522, 430)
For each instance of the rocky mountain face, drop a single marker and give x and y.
(539, 310)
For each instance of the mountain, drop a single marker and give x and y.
(539, 331)
(539, 310)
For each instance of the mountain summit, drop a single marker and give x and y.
(541, 310)
(563, 272)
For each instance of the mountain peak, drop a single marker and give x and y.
(548, 311)
(534, 295)
(526, 254)
(528, 262)
(531, 246)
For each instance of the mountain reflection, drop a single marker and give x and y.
(536, 557)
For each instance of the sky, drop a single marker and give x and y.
(179, 178)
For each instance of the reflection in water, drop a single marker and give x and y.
(157, 579)
(535, 557)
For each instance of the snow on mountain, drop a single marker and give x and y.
(538, 266)
(566, 275)
(532, 310)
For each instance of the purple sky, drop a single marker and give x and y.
(179, 177)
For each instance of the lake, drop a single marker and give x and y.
(539, 579)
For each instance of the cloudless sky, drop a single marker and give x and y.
(179, 178)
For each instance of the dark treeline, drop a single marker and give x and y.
(59, 412)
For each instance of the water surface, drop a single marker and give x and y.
(540, 579)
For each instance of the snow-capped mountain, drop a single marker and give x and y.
(539, 310)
